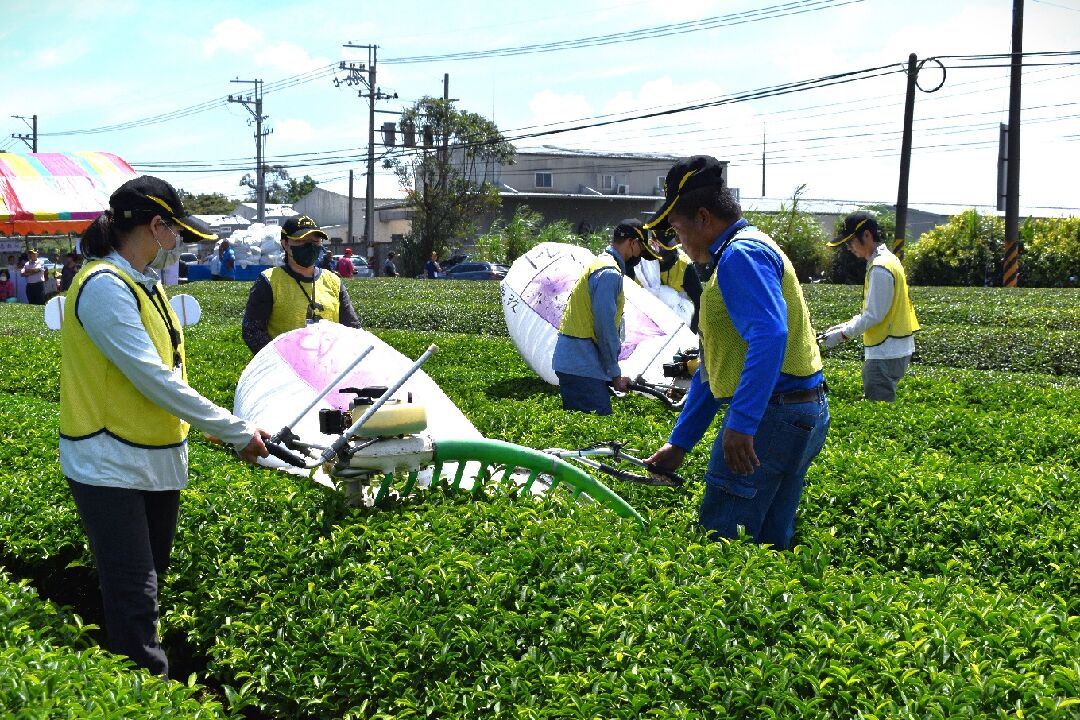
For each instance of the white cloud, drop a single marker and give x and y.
(236, 37)
(287, 57)
(232, 35)
(549, 108)
(292, 131)
(58, 55)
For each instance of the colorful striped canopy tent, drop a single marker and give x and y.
(56, 193)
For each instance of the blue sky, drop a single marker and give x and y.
(87, 65)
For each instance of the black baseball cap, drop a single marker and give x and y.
(664, 235)
(299, 227)
(688, 174)
(854, 224)
(149, 196)
(630, 229)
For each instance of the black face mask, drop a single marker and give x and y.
(633, 262)
(305, 255)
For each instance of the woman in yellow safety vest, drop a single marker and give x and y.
(125, 406)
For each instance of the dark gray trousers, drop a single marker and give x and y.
(880, 377)
(131, 535)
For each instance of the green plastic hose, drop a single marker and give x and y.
(487, 451)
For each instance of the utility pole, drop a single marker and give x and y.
(905, 157)
(348, 240)
(356, 77)
(444, 171)
(260, 167)
(30, 140)
(763, 160)
(1011, 272)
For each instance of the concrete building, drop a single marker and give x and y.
(275, 213)
(225, 225)
(589, 190)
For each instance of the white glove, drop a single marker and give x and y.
(833, 337)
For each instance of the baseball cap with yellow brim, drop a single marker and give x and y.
(854, 225)
(664, 237)
(687, 174)
(301, 227)
(147, 196)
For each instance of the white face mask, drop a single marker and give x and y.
(164, 258)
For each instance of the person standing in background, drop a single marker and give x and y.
(389, 268)
(432, 269)
(298, 292)
(71, 266)
(34, 272)
(345, 267)
(887, 322)
(227, 270)
(7, 287)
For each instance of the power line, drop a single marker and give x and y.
(797, 7)
(278, 85)
(354, 155)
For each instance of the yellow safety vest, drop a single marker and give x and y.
(291, 301)
(577, 319)
(723, 348)
(95, 396)
(900, 321)
(673, 276)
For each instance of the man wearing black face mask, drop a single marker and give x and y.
(297, 293)
(586, 356)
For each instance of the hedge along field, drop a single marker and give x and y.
(936, 572)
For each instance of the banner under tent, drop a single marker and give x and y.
(57, 193)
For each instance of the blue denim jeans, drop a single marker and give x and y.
(584, 394)
(789, 437)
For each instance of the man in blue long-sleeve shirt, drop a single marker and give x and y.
(760, 357)
(586, 356)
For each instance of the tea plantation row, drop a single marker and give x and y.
(937, 572)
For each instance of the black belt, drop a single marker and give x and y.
(800, 396)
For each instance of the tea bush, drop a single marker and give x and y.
(936, 571)
(50, 668)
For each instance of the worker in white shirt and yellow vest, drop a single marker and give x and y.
(887, 322)
(125, 406)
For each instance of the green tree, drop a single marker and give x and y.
(846, 269)
(967, 250)
(507, 241)
(1051, 252)
(442, 180)
(208, 203)
(797, 233)
(280, 188)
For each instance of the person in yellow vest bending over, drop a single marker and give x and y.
(586, 358)
(297, 293)
(759, 357)
(677, 270)
(887, 322)
(125, 406)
